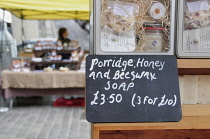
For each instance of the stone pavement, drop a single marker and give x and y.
(44, 122)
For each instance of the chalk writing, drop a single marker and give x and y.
(132, 88)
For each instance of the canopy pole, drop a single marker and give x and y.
(22, 29)
(1, 45)
(2, 100)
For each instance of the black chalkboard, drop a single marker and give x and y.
(132, 89)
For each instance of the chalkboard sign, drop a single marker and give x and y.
(132, 89)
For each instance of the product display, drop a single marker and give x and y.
(16, 66)
(20, 64)
(73, 45)
(194, 28)
(55, 55)
(131, 26)
(50, 45)
(118, 28)
(36, 59)
(81, 53)
(56, 58)
(64, 69)
(48, 69)
(42, 45)
(157, 10)
(74, 56)
(154, 39)
(26, 66)
(197, 14)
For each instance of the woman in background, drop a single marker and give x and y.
(63, 36)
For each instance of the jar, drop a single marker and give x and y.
(65, 45)
(154, 37)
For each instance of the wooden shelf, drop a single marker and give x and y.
(196, 120)
(194, 66)
(60, 63)
(193, 63)
(38, 52)
(53, 62)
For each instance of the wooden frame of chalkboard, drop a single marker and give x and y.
(135, 88)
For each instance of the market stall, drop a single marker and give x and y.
(47, 69)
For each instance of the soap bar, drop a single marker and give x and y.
(203, 89)
(190, 89)
(181, 86)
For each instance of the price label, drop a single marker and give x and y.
(132, 89)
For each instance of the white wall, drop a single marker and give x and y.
(31, 29)
(75, 32)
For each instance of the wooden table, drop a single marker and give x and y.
(195, 124)
(27, 84)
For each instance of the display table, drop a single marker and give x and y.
(43, 80)
(194, 124)
(42, 83)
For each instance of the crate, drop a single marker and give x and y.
(62, 102)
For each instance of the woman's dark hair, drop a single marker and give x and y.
(61, 32)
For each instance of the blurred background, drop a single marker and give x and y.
(43, 46)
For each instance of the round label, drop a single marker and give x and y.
(157, 10)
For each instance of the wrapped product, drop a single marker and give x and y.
(118, 26)
(197, 14)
